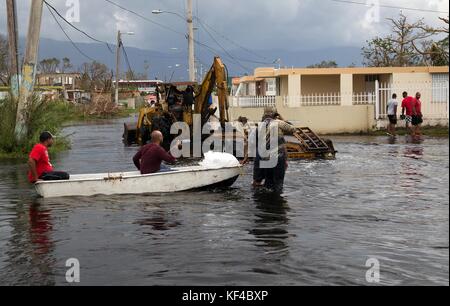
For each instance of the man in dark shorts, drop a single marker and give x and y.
(392, 106)
(39, 162)
(417, 118)
(408, 111)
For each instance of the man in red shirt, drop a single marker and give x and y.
(149, 158)
(417, 119)
(39, 162)
(408, 108)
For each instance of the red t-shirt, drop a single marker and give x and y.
(418, 105)
(148, 159)
(408, 104)
(40, 155)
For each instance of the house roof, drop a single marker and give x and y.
(266, 72)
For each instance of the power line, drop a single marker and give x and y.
(392, 6)
(210, 49)
(145, 18)
(49, 6)
(127, 60)
(68, 37)
(224, 50)
(231, 41)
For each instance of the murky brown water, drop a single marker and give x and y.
(388, 201)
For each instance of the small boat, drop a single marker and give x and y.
(178, 179)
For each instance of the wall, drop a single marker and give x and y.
(322, 119)
(318, 84)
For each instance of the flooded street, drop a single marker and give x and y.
(376, 200)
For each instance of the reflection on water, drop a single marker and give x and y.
(380, 199)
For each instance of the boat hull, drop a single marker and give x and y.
(181, 179)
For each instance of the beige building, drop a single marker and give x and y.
(337, 100)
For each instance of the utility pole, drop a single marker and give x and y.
(29, 67)
(191, 41)
(13, 44)
(119, 42)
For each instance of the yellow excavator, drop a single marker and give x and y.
(173, 105)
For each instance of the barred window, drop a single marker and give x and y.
(439, 88)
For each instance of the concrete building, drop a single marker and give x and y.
(337, 100)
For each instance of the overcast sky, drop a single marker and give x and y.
(254, 24)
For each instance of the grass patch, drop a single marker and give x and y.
(431, 131)
(51, 116)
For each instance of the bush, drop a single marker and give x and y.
(41, 115)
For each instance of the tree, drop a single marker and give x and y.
(436, 52)
(49, 65)
(96, 77)
(409, 44)
(324, 64)
(4, 71)
(66, 64)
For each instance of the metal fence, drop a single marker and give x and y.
(253, 102)
(435, 98)
(313, 100)
(364, 98)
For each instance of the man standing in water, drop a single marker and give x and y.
(273, 177)
(417, 119)
(392, 115)
(408, 111)
(39, 162)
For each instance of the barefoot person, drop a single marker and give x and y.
(408, 111)
(417, 119)
(392, 106)
(39, 162)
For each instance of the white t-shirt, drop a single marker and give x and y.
(391, 107)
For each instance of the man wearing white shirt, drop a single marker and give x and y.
(392, 106)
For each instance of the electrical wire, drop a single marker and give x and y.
(68, 37)
(49, 6)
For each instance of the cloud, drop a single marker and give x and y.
(255, 24)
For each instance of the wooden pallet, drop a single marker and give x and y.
(310, 141)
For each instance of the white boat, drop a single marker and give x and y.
(180, 179)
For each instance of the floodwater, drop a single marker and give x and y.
(376, 200)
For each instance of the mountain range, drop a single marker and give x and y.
(172, 65)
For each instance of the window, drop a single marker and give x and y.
(372, 78)
(271, 87)
(439, 88)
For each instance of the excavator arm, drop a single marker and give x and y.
(216, 77)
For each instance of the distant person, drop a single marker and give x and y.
(408, 111)
(417, 119)
(39, 162)
(188, 97)
(150, 157)
(392, 107)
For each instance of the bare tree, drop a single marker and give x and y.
(66, 64)
(49, 65)
(96, 77)
(409, 44)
